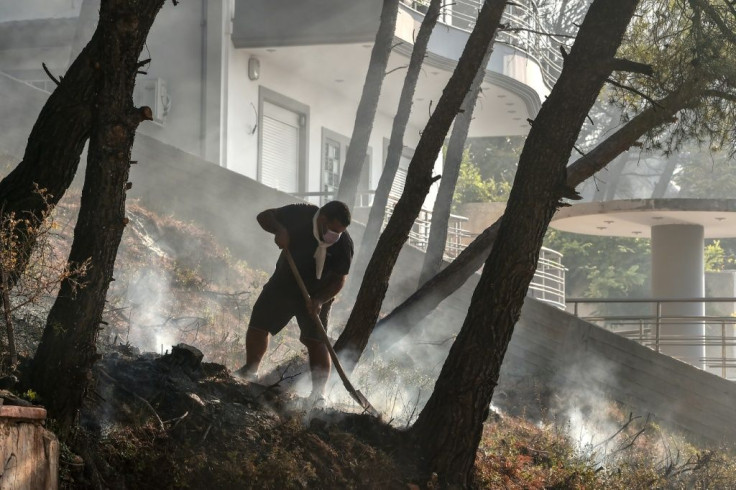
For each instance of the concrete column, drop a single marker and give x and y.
(678, 272)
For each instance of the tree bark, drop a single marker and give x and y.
(450, 426)
(52, 153)
(396, 143)
(62, 365)
(355, 159)
(363, 317)
(450, 172)
(421, 303)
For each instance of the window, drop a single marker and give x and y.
(282, 142)
(334, 151)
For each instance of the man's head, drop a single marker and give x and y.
(334, 218)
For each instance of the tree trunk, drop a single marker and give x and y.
(396, 143)
(52, 153)
(663, 183)
(614, 178)
(420, 304)
(355, 159)
(450, 172)
(62, 365)
(419, 178)
(449, 427)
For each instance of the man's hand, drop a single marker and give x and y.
(314, 306)
(281, 238)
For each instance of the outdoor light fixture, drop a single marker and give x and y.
(254, 68)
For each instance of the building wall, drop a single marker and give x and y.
(327, 109)
(33, 9)
(183, 40)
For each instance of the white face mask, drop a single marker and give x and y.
(330, 236)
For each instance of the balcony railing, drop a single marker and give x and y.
(457, 237)
(548, 284)
(523, 30)
(642, 320)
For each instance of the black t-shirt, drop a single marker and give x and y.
(297, 219)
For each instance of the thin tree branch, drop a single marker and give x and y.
(396, 69)
(720, 95)
(620, 64)
(46, 69)
(534, 31)
(634, 91)
(717, 20)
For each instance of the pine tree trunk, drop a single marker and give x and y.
(63, 362)
(450, 172)
(423, 301)
(354, 338)
(366, 114)
(396, 144)
(52, 153)
(449, 427)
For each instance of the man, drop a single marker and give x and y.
(322, 250)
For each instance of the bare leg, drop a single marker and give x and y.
(256, 345)
(319, 365)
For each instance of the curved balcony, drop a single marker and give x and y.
(523, 30)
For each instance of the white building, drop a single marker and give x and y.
(270, 91)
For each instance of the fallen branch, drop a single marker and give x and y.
(282, 377)
(176, 420)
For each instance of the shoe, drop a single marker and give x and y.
(246, 375)
(318, 402)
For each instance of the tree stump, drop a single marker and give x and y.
(29, 454)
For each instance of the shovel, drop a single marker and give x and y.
(355, 394)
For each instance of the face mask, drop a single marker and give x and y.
(330, 236)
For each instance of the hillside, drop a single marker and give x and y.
(163, 419)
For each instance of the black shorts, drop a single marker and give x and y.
(273, 311)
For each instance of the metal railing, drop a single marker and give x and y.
(548, 284)
(523, 30)
(457, 237)
(716, 333)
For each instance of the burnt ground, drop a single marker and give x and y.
(171, 422)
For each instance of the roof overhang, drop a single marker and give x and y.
(261, 23)
(636, 217)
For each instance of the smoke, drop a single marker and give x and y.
(581, 403)
(148, 294)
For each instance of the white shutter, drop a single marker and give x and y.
(280, 148)
(397, 186)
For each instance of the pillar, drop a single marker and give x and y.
(678, 272)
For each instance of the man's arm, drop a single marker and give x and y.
(268, 221)
(332, 284)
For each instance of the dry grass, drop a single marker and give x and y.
(517, 454)
(174, 284)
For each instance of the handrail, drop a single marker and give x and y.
(646, 329)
